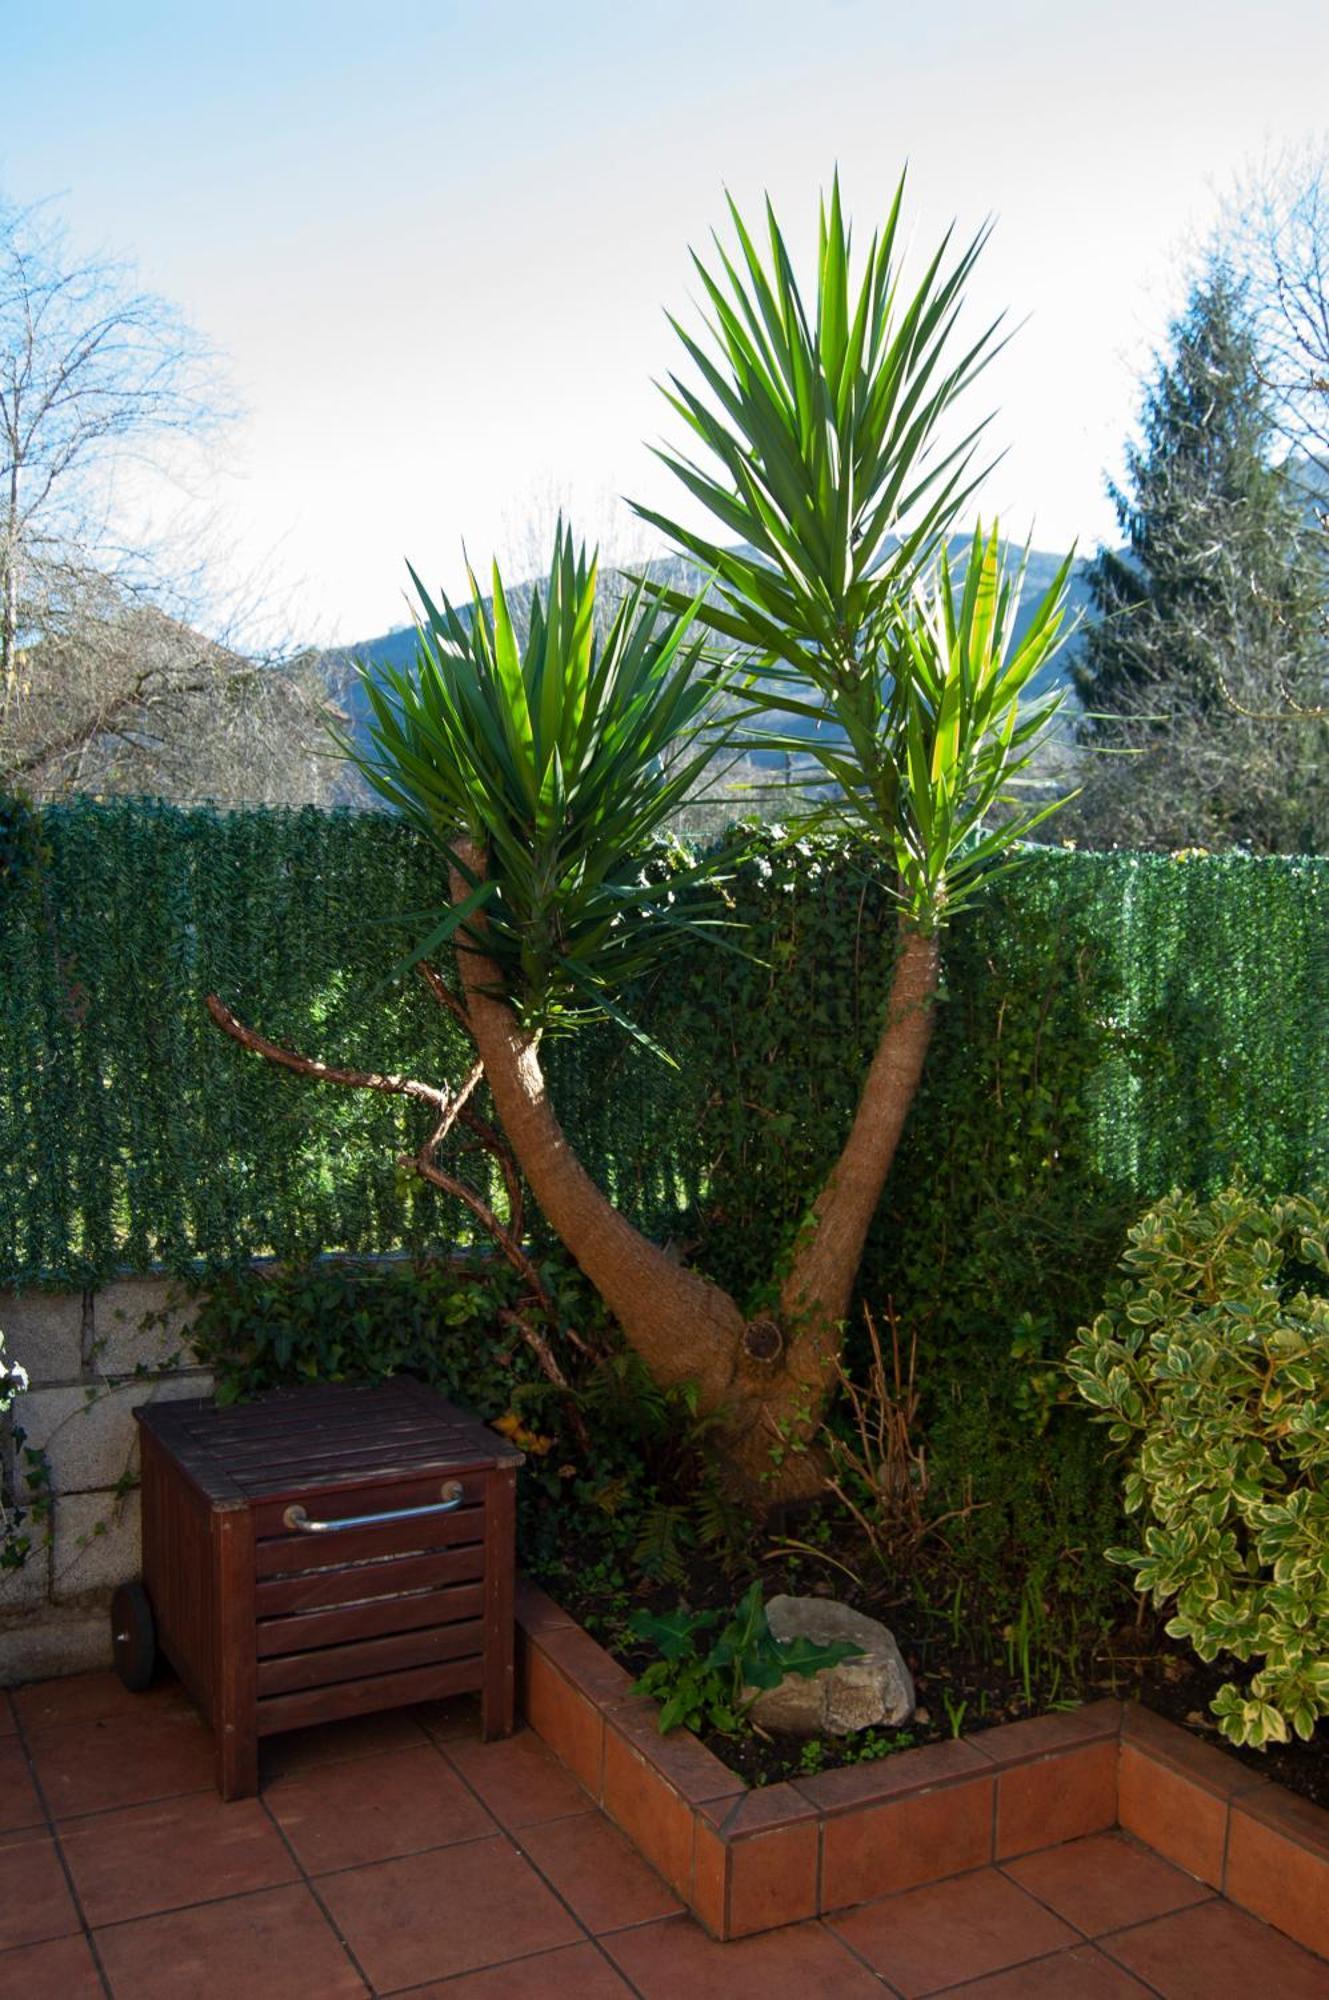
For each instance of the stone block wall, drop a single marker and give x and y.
(90, 1359)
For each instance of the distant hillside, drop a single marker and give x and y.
(397, 648)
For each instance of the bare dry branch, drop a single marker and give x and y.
(450, 1106)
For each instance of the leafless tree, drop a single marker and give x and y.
(106, 398)
(122, 698)
(1275, 230)
(99, 382)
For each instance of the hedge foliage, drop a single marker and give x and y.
(1114, 1025)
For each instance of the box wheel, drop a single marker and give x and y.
(133, 1636)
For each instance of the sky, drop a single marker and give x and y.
(434, 243)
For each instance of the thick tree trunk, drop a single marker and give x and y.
(768, 1379)
(684, 1327)
(816, 1293)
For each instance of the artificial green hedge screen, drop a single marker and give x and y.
(1113, 1024)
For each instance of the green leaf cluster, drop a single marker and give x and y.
(823, 450)
(1210, 1365)
(710, 1683)
(343, 1320)
(558, 757)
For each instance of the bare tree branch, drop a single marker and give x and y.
(450, 1106)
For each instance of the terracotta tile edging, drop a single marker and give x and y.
(746, 1860)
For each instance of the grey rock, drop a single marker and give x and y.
(874, 1690)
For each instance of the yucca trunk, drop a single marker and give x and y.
(766, 1378)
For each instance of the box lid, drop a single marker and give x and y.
(322, 1435)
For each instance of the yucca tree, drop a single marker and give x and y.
(546, 770)
(824, 455)
(545, 767)
(542, 770)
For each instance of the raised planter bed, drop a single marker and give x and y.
(746, 1860)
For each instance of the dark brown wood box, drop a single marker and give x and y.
(274, 1615)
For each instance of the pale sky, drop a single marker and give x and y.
(435, 242)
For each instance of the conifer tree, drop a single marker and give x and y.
(1208, 640)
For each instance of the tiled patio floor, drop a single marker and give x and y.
(400, 1855)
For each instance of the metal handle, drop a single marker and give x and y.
(296, 1517)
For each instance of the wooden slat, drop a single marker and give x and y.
(362, 1657)
(349, 1430)
(163, 1423)
(335, 1704)
(278, 1488)
(327, 1468)
(322, 1588)
(321, 1467)
(233, 1717)
(336, 1431)
(365, 1621)
(497, 1704)
(178, 1569)
(293, 1555)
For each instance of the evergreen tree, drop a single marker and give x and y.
(1208, 640)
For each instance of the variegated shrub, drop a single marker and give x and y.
(1211, 1366)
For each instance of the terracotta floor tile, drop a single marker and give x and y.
(35, 1902)
(430, 1915)
(144, 1859)
(1104, 1882)
(338, 1742)
(1082, 1974)
(598, 1873)
(520, 1781)
(577, 1972)
(62, 1969)
(19, 1803)
(121, 1760)
(276, 1945)
(447, 1720)
(931, 1938)
(91, 1697)
(1216, 1949)
(675, 1960)
(370, 1809)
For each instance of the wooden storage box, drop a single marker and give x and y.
(321, 1553)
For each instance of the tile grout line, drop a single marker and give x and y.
(20, 1730)
(963, 1986)
(515, 1837)
(825, 1925)
(308, 1881)
(1085, 1937)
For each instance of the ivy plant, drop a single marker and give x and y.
(1210, 1364)
(710, 1683)
(15, 1539)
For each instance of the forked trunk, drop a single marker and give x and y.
(684, 1327)
(767, 1378)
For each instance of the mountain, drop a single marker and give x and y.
(396, 649)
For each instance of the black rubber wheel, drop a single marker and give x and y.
(133, 1637)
